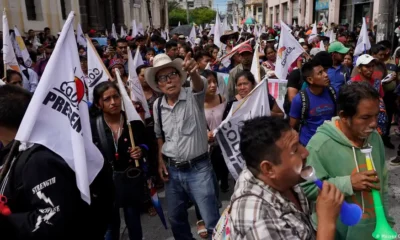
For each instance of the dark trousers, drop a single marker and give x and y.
(132, 221)
(390, 104)
(219, 165)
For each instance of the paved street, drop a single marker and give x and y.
(153, 229)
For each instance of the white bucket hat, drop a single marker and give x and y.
(162, 61)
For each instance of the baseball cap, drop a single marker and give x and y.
(245, 48)
(301, 40)
(364, 59)
(337, 47)
(314, 51)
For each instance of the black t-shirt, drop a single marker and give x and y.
(294, 81)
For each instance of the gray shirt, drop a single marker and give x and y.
(184, 125)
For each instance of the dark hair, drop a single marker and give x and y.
(99, 90)
(386, 43)
(200, 54)
(307, 70)
(151, 50)
(258, 137)
(350, 96)
(171, 44)
(187, 49)
(266, 49)
(10, 73)
(247, 74)
(207, 73)
(324, 58)
(138, 69)
(46, 28)
(121, 40)
(376, 48)
(14, 102)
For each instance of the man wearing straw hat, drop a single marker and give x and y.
(180, 128)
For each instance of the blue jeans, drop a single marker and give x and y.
(198, 184)
(132, 221)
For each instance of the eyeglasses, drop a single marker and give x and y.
(164, 78)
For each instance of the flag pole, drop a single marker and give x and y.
(5, 70)
(132, 139)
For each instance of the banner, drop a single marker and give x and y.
(253, 105)
(277, 88)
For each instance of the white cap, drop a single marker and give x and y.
(197, 41)
(301, 40)
(314, 51)
(364, 59)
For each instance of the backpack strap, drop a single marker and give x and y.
(332, 94)
(159, 117)
(101, 131)
(305, 105)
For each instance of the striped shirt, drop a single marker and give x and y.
(268, 215)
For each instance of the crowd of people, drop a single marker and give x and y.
(335, 105)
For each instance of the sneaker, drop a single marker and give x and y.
(395, 161)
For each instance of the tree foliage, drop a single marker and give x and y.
(200, 15)
(177, 15)
(203, 15)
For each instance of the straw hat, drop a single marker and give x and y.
(162, 61)
(228, 33)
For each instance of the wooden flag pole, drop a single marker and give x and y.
(132, 141)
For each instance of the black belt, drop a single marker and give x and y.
(185, 164)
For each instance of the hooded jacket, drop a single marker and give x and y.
(334, 159)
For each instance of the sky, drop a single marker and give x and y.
(221, 5)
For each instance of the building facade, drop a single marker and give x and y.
(92, 14)
(191, 4)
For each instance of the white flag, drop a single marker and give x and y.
(166, 34)
(286, 27)
(201, 29)
(255, 104)
(80, 37)
(294, 23)
(8, 51)
(313, 34)
(123, 33)
(140, 29)
(130, 110)
(255, 65)
(134, 29)
(363, 43)
(58, 116)
(322, 46)
(17, 51)
(211, 31)
(234, 25)
(217, 31)
(106, 32)
(24, 51)
(289, 49)
(192, 36)
(114, 32)
(179, 23)
(97, 72)
(225, 26)
(134, 82)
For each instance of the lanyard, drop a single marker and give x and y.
(115, 138)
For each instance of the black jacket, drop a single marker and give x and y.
(46, 203)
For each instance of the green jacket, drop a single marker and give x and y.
(334, 159)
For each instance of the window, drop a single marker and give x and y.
(65, 8)
(191, 4)
(260, 10)
(30, 9)
(34, 10)
(63, 11)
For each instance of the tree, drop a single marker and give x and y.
(177, 15)
(173, 5)
(202, 15)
